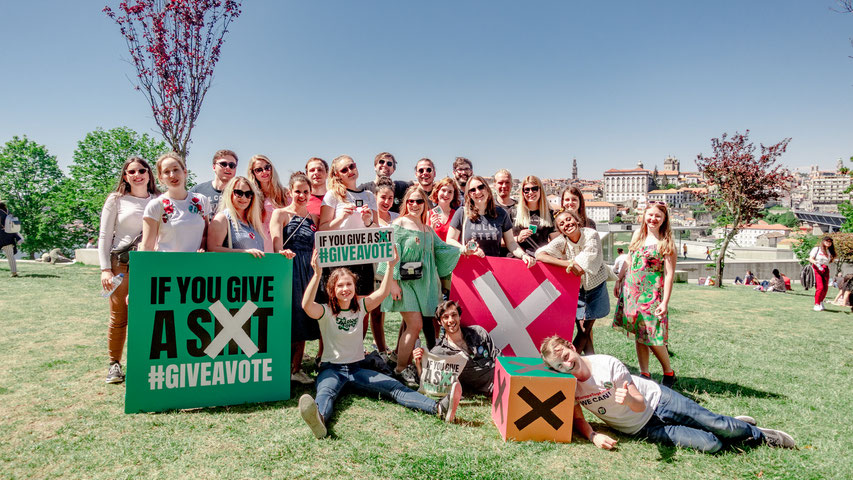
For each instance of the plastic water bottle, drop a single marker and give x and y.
(115, 282)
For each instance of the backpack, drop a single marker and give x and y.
(12, 224)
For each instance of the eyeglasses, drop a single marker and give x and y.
(231, 165)
(346, 169)
(425, 170)
(417, 201)
(463, 169)
(382, 161)
(265, 168)
(478, 188)
(134, 172)
(533, 189)
(244, 193)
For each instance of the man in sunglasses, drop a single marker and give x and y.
(224, 168)
(425, 176)
(385, 165)
(463, 169)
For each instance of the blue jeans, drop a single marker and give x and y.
(680, 421)
(334, 377)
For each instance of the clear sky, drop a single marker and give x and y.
(522, 85)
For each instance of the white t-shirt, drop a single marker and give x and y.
(598, 394)
(354, 220)
(819, 257)
(621, 261)
(342, 334)
(181, 222)
(121, 223)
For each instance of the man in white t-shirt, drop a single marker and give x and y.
(621, 261)
(637, 406)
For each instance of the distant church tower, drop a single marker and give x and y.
(671, 163)
(574, 169)
(640, 164)
(839, 165)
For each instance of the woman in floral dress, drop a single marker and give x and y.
(416, 297)
(644, 290)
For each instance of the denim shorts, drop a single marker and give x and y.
(596, 302)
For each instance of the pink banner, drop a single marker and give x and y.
(519, 307)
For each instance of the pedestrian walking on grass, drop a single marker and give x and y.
(820, 257)
(8, 241)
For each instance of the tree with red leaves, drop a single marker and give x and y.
(174, 45)
(740, 184)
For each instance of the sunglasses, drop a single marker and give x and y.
(657, 202)
(265, 168)
(244, 193)
(346, 169)
(382, 161)
(534, 188)
(425, 170)
(478, 188)
(134, 172)
(413, 201)
(230, 165)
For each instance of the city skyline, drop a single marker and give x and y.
(502, 83)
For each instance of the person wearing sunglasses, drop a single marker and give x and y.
(484, 225)
(578, 250)
(263, 175)
(176, 221)
(385, 165)
(425, 175)
(346, 207)
(416, 285)
(533, 225)
(121, 230)
(224, 169)
(238, 226)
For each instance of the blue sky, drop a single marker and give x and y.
(522, 85)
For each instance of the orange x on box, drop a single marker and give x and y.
(532, 402)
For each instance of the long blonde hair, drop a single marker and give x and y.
(666, 245)
(522, 217)
(278, 195)
(404, 206)
(254, 212)
(335, 184)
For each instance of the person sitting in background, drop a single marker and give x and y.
(749, 279)
(775, 284)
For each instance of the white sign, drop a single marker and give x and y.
(353, 247)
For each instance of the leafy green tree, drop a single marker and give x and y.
(29, 180)
(803, 247)
(97, 162)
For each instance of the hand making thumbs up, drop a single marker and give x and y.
(621, 393)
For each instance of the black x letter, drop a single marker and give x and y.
(540, 409)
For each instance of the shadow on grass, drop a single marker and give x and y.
(685, 385)
(37, 275)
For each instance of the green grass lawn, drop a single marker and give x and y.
(736, 351)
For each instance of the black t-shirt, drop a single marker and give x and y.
(486, 231)
(400, 188)
(479, 373)
(538, 239)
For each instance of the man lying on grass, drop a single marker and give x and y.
(637, 406)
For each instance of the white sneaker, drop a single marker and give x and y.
(817, 308)
(309, 412)
(301, 377)
(447, 405)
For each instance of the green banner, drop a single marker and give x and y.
(207, 329)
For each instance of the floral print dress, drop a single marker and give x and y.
(641, 294)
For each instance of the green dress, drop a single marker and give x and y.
(642, 292)
(439, 259)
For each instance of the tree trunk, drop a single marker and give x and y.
(722, 256)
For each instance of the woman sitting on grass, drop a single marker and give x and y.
(341, 326)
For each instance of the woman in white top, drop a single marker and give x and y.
(238, 226)
(176, 221)
(263, 175)
(121, 227)
(578, 250)
(820, 257)
(345, 207)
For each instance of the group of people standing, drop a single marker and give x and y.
(435, 223)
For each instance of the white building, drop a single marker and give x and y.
(627, 186)
(748, 235)
(826, 189)
(600, 212)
